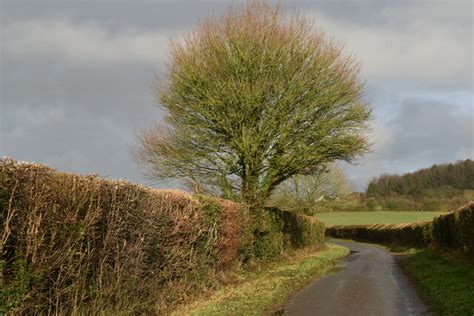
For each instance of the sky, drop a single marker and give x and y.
(76, 76)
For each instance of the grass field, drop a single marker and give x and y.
(366, 218)
(262, 290)
(448, 283)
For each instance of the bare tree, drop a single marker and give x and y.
(305, 193)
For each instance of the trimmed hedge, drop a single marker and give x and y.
(415, 235)
(277, 230)
(455, 230)
(88, 245)
(76, 244)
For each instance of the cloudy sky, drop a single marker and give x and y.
(75, 78)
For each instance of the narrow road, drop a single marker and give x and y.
(371, 283)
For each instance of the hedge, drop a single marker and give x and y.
(415, 235)
(452, 231)
(455, 230)
(76, 244)
(277, 230)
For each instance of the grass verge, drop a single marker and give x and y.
(375, 217)
(444, 280)
(263, 288)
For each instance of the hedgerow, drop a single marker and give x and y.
(452, 231)
(416, 235)
(455, 230)
(276, 230)
(76, 244)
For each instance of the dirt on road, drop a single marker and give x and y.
(371, 283)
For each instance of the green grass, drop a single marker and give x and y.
(382, 217)
(445, 281)
(265, 288)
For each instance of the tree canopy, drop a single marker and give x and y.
(253, 98)
(458, 176)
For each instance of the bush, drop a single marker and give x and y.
(420, 203)
(302, 230)
(398, 204)
(416, 235)
(372, 204)
(73, 243)
(276, 230)
(452, 231)
(268, 232)
(3, 195)
(84, 245)
(455, 230)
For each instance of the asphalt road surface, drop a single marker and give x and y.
(371, 283)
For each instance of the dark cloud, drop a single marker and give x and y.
(421, 133)
(116, 14)
(75, 77)
(76, 117)
(426, 129)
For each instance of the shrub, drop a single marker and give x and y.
(302, 230)
(398, 204)
(84, 245)
(276, 230)
(455, 230)
(268, 232)
(416, 235)
(372, 204)
(452, 231)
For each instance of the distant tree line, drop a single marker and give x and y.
(457, 176)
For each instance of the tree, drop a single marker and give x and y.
(306, 193)
(437, 178)
(253, 98)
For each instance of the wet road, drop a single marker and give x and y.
(370, 284)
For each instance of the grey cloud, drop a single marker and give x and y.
(114, 14)
(431, 130)
(70, 105)
(73, 139)
(423, 132)
(78, 118)
(85, 42)
(426, 44)
(416, 43)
